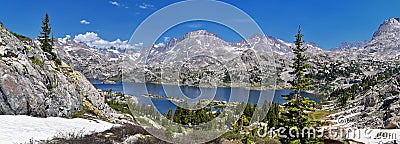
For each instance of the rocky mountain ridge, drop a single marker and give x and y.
(349, 45)
(376, 106)
(330, 69)
(33, 85)
(385, 41)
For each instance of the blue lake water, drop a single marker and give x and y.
(193, 94)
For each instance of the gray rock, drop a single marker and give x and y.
(30, 84)
(134, 138)
(93, 63)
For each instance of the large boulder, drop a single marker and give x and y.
(30, 84)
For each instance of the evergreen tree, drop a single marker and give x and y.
(44, 38)
(185, 114)
(272, 114)
(45, 34)
(227, 77)
(249, 110)
(169, 114)
(52, 39)
(178, 115)
(294, 114)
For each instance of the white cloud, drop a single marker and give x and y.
(115, 3)
(146, 6)
(118, 4)
(84, 22)
(64, 40)
(93, 40)
(87, 37)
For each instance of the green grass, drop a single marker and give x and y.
(230, 135)
(81, 113)
(122, 107)
(37, 61)
(320, 115)
(21, 37)
(236, 137)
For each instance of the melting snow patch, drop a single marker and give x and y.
(21, 128)
(280, 53)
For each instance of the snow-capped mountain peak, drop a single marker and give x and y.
(389, 29)
(199, 32)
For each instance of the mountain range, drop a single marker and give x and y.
(340, 67)
(31, 84)
(200, 58)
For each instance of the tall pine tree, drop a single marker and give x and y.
(169, 114)
(44, 38)
(294, 116)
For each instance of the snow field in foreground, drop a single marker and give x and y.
(21, 128)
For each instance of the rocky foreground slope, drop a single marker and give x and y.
(31, 84)
(374, 102)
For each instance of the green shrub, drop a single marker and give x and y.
(81, 113)
(58, 61)
(122, 107)
(21, 37)
(37, 61)
(231, 135)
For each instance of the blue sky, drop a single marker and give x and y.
(327, 23)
